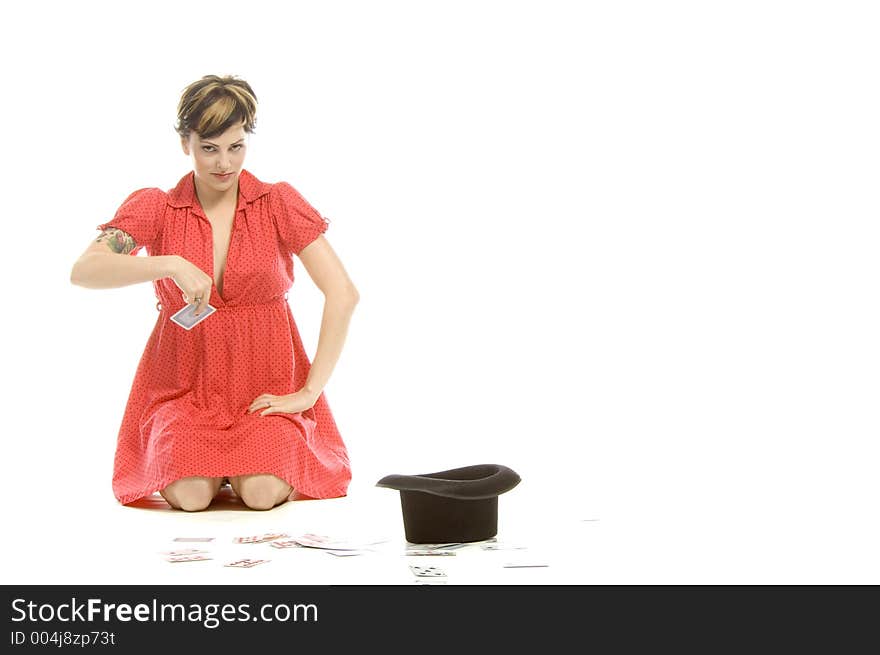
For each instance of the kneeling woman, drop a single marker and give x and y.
(229, 394)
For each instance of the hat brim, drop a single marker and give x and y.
(476, 482)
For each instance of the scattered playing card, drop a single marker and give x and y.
(427, 571)
(185, 551)
(194, 539)
(450, 546)
(187, 558)
(525, 564)
(246, 563)
(187, 319)
(260, 538)
(345, 553)
(434, 553)
(329, 543)
(285, 543)
(501, 546)
(436, 546)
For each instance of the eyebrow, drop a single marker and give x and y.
(214, 144)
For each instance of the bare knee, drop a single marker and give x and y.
(192, 494)
(262, 491)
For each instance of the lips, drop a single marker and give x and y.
(221, 176)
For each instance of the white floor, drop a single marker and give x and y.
(79, 539)
(124, 544)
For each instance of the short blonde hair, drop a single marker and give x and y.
(213, 104)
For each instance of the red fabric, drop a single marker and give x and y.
(187, 410)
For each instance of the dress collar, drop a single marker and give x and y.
(184, 194)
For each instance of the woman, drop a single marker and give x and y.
(234, 397)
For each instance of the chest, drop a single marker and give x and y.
(239, 249)
(221, 219)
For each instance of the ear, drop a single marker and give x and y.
(184, 143)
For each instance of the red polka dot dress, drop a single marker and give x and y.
(187, 410)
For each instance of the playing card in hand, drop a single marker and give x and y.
(187, 319)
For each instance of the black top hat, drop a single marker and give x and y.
(453, 506)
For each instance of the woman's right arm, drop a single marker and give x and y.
(107, 264)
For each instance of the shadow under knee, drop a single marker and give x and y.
(260, 501)
(195, 504)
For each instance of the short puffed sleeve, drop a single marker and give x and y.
(140, 215)
(297, 222)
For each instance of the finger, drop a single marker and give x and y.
(191, 301)
(271, 408)
(262, 401)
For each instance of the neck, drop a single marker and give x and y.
(209, 197)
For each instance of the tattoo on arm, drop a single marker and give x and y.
(118, 240)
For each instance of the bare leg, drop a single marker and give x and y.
(191, 494)
(260, 490)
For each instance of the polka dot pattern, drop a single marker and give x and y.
(187, 410)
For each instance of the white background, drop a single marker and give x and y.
(627, 249)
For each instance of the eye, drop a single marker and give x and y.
(237, 146)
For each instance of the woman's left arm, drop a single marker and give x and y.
(340, 299)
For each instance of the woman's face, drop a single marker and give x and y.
(221, 154)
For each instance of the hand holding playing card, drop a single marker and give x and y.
(193, 282)
(289, 404)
